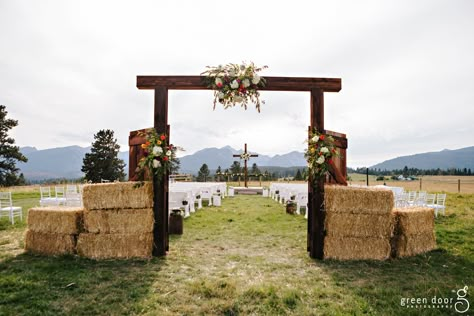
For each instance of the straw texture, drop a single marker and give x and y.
(120, 195)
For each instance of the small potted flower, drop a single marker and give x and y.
(176, 221)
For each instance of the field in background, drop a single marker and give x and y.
(428, 183)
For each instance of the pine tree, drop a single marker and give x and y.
(9, 154)
(298, 176)
(203, 173)
(102, 163)
(235, 169)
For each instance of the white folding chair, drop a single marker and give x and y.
(411, 198)
(440, 204)
(430, 200)
(7, 208)
(421, 198)
(206, 194)
(60, 198)
(176, 200)
(302, 202)
(46, 199)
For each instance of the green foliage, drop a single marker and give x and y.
(203, 173)
(9, 153)
(103, 162)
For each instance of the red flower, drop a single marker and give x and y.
(330, 161)
(219, 85)
(165, 158)
(321, 137)
(162, 137)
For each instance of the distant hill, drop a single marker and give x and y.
(215, 157)
(445, 159)
(66, 162)
(54, 163)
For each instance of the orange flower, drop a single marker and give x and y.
(321, 137)
(145, 146)
(158, 142)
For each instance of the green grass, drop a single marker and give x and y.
(247, 257)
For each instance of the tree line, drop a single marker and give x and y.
(265, 173)
(406, 171)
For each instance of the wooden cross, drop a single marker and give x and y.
(245, 156)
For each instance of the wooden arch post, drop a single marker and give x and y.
(316, 86)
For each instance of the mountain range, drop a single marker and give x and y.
(445, 159)
(66, 162)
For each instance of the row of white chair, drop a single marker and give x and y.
(7, 208)
(69, 195)
(186, 195)
(422, 198)
(283, 192)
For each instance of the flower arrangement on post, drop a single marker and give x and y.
(320, 154)
(234, 84)
(158, 155)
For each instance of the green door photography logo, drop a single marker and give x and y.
(460, 303)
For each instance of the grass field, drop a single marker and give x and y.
(247, 257)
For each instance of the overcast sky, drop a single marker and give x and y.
(68, 69)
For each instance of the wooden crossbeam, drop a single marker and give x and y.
(273, 83)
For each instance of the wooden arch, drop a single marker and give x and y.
(316, 86)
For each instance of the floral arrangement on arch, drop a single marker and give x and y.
(158, 154)
(320, 154)
(235, 84)
(245, 156)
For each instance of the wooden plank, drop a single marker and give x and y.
(273, 83)
(160, 196)
(317, 230)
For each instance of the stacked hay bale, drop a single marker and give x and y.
(414, 231)
(53, 230)
(359, 223)
(118, 221)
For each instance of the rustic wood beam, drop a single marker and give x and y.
(273, 83)
(160, 186)
(316, 188)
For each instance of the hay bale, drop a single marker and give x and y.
(414, 220)
(49, 244)
(117, 246)
(356, 248)
(122, 221)
(359, 225)
(411, 245)
(55, 220)
(119, 195)
(343, 199)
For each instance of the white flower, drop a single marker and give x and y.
(232, 73)
(220, 95)
(324, 150)
(320, 160)
(238, 99)
(157, 150)
(219, 82)
(234, 84)
(168, 153)
(246, 83)
(156, 163)
(256, 79)
(242, 67)
(315, 138)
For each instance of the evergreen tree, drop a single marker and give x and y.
(235, 169)
(203, 173)
(9, 154)
(298, 176)
(218, 173)
(103, 162)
